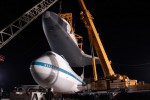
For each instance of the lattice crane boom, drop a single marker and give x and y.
(10, 31)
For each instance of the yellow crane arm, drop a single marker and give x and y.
(95, 39)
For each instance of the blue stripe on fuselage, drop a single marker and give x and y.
(56, 68)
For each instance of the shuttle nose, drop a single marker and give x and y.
(49, 20)
(50, 17)
(43, 72)
(49, 14)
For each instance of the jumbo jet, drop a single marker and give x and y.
(54, 68)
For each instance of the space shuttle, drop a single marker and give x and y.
(63, 41)
(53, 69)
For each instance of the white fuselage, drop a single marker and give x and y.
(52, 71)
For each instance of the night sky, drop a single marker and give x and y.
(124, 28)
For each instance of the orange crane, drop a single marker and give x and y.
(115, 80)
(96, 41)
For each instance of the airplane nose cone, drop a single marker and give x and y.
(42, 71)
(40, 74)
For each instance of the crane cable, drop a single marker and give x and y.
(133, 66)
(123, 64)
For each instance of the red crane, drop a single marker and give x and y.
(2, 58)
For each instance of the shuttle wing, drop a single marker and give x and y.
(62, 41)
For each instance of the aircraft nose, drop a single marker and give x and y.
(42, 71)
(40, 74)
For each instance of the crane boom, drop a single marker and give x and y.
(111, 80)
(10, 31)
(95, 39)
